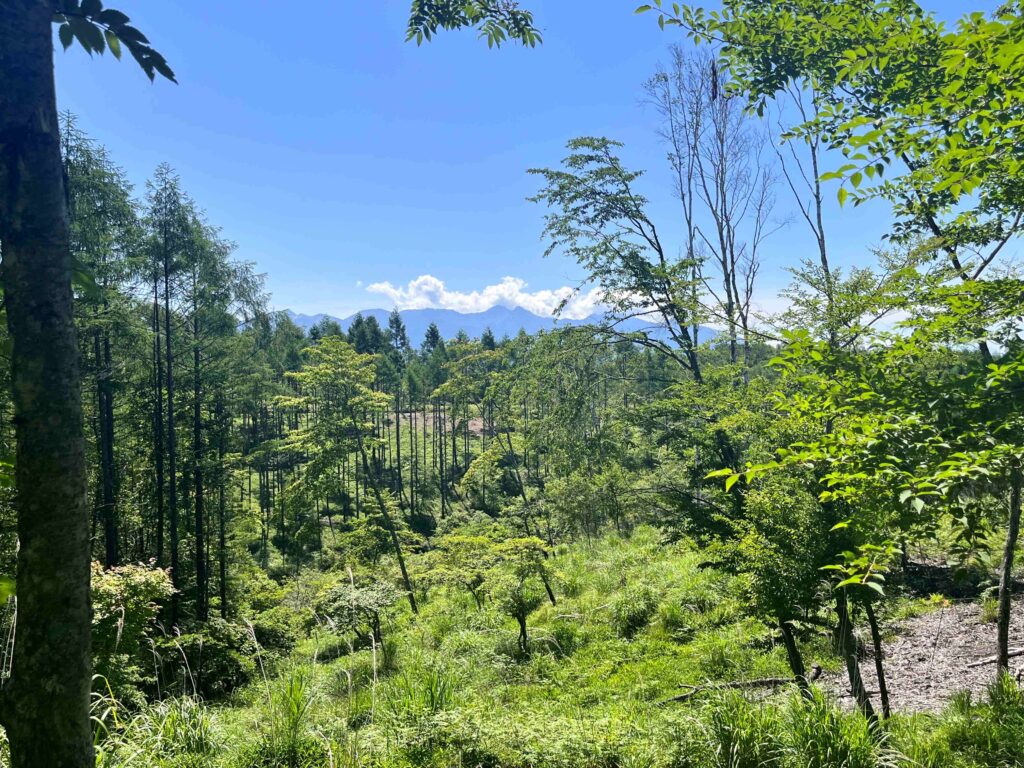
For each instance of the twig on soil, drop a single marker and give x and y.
(994, 659)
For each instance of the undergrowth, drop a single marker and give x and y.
(634, 623)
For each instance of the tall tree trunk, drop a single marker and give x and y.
(45, 703)
(398, 440)
(158, 422)
(795, 658)
(222, 549)
(105, 447)
(847, 646)
(1006, 575)
(172, 442)
(202, 578)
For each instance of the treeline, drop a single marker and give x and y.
(215, 446)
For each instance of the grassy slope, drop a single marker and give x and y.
(635, 620)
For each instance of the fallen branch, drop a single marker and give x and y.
(994, 659)
(764, 682)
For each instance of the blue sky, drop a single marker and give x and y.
(338, 156)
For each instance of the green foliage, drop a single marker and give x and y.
(97, 28)
(286, 740)
(497, 20)
(984, 734)
(633, 609)
(125, 604)
(495, 470)
(212, 661)
(359, 610)
(420, 690)
(820, 735)
(277, 629)
(173, 733)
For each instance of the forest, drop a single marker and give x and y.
(735, 538)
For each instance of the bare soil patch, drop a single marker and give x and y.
(926, 662)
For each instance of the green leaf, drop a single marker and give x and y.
(718, 473)
(731, 481)
(841, 195)
(87, 34)
(875, 586)
(840, 526)
(113, 43)
(65, 35)
(113, 18)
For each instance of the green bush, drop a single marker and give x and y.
(211, 661)
(277, 629)
(286, 740)
(125, 603)
(632, 609)
(820, 735)
(990, 733)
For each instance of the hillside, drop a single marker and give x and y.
(631, 666)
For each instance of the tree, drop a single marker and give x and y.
(343, 381)
(723, 183)
(359, 609)
(46, 701)
(912, 108)
(169, 221)
(598, 219)
(105, 238)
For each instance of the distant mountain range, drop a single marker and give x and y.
(503, 321)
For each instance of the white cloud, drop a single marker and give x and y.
(429, 292)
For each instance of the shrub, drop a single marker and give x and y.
(175, 732)
(992, 733)
(277, 629)
(125, 604)
(820, 735)
(211, 661)
(421, 690)
(740, 734)
(632, 609)
(359, 610)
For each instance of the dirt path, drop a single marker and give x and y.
(926, 661)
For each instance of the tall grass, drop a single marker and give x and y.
(287, 739)
(419, 690)
(178, 731)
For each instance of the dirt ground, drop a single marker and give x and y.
(926, 657)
